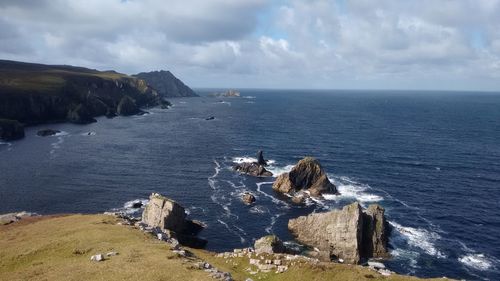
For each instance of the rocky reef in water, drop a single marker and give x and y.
(36, 93)
(227, 94)
(166, 84)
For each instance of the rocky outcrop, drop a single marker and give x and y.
(13, 217)
(227, 94)
(166, 84)
(47, 132)
(127, 107)
(11, 130)
(306, 175)
(252, 169)
(348, 234)
(270, 244)
(255, 169)
(169, 216)
(248, 198)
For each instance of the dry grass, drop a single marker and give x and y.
(59, 248)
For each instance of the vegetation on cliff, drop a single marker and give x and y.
(36, 93)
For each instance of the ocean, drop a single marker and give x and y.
(431, 159)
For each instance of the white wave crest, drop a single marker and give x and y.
(420, 238)
(259, 209)
(351, 189)
(477, 261)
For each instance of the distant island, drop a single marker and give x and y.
(32, 94)
(227, 94)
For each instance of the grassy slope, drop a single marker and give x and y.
(18, 77)
(59, 248)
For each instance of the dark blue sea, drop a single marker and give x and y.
(432, 159)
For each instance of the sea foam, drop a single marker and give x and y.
(477, 261)
(419, 238)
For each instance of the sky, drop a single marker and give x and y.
(308, 44)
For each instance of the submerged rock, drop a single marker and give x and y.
(47, 132)
(170, 217)
(348, 234)
(306, 175)
(11, 130)
(270, 244)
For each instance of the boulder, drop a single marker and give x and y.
(248, 198)
(252, 169)
(164, 213)
(170, 217)
(13, 217)
(260, 159)
(306, 175)
(270, 244)
(98, 257)
(11, 130)
(348, 234)
(80, 115)
(47, 132)
(127, 107)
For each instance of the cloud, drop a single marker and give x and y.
(257, 43)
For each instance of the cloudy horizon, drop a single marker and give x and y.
(319, 44)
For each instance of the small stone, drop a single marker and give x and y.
(110, 254)
(282, 268)
(254, 261)
(277, 262)
(98, 257)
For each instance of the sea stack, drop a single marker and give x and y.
(307, 175)
(348, 234)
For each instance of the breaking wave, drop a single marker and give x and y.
(419, 238)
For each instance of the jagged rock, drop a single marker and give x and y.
(169, 216)
(375, 232)
(11, 130)
(260, 159)
(47, 132)
(252, 169)
(80, 115)
(306, 175)
(127, 107)
(248, 198)
(269, 244)
(13, 217)
(347, 234)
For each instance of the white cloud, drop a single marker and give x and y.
(258, 43)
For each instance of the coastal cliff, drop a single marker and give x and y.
(166, 84)
(36, 93)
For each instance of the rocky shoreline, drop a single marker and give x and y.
(32, 94)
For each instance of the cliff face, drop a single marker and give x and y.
(349, 234)
(36, 93)
(166, 84)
